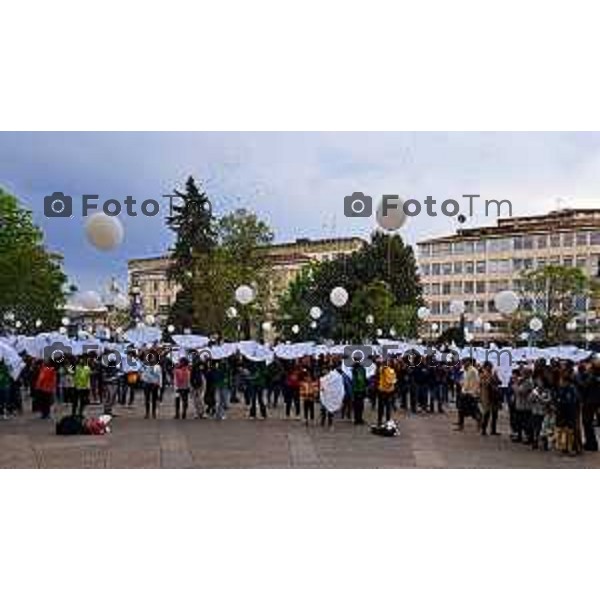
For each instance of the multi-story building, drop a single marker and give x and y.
(473, 265)
(149, 283)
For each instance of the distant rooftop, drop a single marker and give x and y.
(556, 220)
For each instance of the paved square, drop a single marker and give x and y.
(425, 441)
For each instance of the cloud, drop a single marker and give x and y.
(294, 180)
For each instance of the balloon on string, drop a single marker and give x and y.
(423, 313)
(370, 320)
(393, 332)
(295, 329)
(536, 324)
(316, 312)
(394, 217)
(434, 327)
(379, 332)
(339, 297)
(150, 320)
(231, 312)
(90, 300)
(244, 294)
(266, 326)
(38, 323)
(314, 325)
(457, 307)
(171, 328)
(104, 232)
(65, 321)
(506, 302)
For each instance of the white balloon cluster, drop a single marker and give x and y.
(316, 313)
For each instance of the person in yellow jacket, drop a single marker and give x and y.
(386, 388)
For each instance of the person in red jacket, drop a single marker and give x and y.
(46, 388)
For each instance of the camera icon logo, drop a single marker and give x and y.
(358, 355)
(358, 205)
(58, 205)
(57, 353)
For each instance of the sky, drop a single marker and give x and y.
(295, 181)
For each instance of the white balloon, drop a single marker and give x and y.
(338, 297)
(394, 217)
(572, 326)
(171, 328)
(507, 302)
(62, 330)
(589, 336)
(316, 312)
(370, 320)
(231, 312)
(379, 332)
(66, 321)
(314, 325)
(150, 320)
(104, 232)
(295, 329)
(423, 313)
(266, 326)
(244, 294)
(457, 307)
(38, 323)
(90, 300)
(536, 324)
(392, 332)
(434, 327)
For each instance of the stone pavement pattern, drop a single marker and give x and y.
(425, 441)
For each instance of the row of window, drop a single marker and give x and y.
(488, 306)
(506, 266)
(509, 244)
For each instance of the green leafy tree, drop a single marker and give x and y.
(381, 279)
(555, 294)
(31, 278)
(193, 223)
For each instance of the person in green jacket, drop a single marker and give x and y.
(82, 380)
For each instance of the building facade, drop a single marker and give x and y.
(149, 284)
(475, 264)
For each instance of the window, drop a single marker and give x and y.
(595, 238)
(458, 268)
(500, 245)
(425, 250)
(435, 289)
(459, 248)
(568, 261)
(479, 247)
(435, 269)
(447, 269)
(468, 246)
(426, 269)
(446, 289)
(435, 308)
(528, 242)
(555, 240)
(480, 267)
(555, 261)
(469, 268)
(528, 264)
(469, 306)
(541, 263)
(582, 238)
(581, 262)
(541, 242)
(480, 287)
(445, 308)
(518, 264)
(457, 287)
(469, 287)
(568, 240)
(518, 243)
(479, 306)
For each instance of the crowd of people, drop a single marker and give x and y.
(551, 404)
